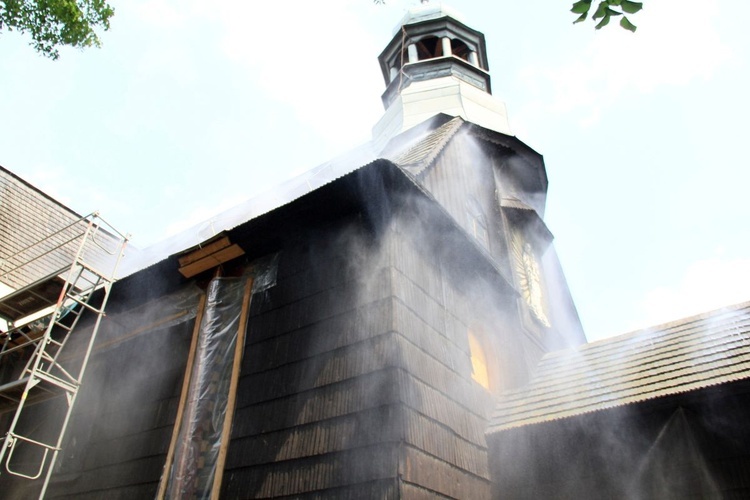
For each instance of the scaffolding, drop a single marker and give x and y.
(55, 282)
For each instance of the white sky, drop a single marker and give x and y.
(642, 134)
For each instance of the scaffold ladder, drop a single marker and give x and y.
(51, 372)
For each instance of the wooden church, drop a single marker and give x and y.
(349, 340)
(345, 344)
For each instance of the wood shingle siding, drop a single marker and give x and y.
(122, 423)
(432, 474)
(27, 216)
(332, 401)
(344, 358)
(357, 469)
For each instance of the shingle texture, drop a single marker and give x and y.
(685, 355)
(421, 155)
(26, 216)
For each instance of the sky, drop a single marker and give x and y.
(191, 107)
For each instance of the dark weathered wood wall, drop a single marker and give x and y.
(474, 172)
(317, 406)
(122, 423)
(444, 409)
(693, 445)
(356, 379)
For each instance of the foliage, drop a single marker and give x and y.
(54, 23)
(606, 10)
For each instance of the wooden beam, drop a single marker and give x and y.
(183, 397)
(211, 260)
(126, 336)
(204, 251)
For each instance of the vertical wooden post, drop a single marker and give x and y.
(183, 397)
(226, 432)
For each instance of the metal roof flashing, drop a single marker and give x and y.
(265, 202)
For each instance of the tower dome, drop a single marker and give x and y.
(436, 64)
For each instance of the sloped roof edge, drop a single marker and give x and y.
(678, 357)
(416, 149)
(39, 191)
(265, 202)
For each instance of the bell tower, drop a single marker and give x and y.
(436, 64)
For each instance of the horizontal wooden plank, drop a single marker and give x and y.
(204, 251)
(429, 472)
(212, 260)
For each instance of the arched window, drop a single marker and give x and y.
(460, 49)
(429, 47)
(479, 370)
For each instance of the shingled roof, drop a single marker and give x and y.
(418, 157)
(685, 355)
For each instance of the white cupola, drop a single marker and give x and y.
(436, 64)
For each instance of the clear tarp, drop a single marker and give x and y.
(193, 468)
(197, 449)
(163, 312)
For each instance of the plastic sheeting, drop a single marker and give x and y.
(264, 270)
(200, 436)
(163, 312)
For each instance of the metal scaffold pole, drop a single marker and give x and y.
(63, 278)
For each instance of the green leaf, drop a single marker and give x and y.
(55, 23)
(601, 10)
(614, 2)
(581, 18)
(581, 7)
(625, 23)
(631, 7)
(602, 23)
(611, 12)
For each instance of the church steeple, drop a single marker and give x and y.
(436, 64)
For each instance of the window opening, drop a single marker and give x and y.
(429, 47)
(479, 371)
(460, 49)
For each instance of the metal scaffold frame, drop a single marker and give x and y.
(58, 280)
